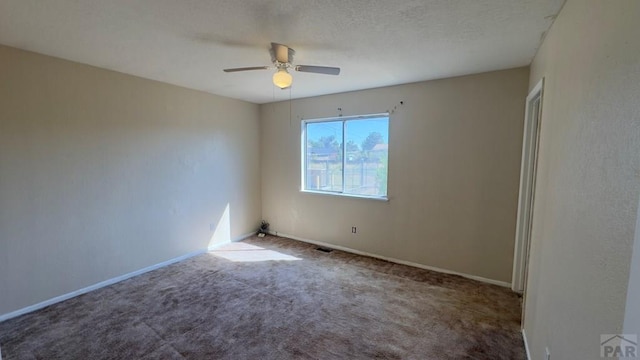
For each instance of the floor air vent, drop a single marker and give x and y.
(324, 249)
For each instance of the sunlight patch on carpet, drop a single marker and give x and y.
(241, 252)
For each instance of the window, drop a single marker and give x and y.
(346, 155)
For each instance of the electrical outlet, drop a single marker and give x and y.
(547, 354)
(353, 230)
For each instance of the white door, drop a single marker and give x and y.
(527, 186)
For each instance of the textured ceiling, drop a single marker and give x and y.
(189, 42)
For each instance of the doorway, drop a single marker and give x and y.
(529, 164)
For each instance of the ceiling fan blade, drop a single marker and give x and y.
(247, 68)
(318, 69)
(282, 53)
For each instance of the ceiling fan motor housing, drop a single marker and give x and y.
(282, 58)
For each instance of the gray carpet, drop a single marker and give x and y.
(240, 303)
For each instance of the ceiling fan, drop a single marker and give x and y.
(282, 58)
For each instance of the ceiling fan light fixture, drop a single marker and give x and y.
(282, 58)
(282, 78)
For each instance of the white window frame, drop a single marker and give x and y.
(303, 162)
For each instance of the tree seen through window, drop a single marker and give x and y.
(348, 156)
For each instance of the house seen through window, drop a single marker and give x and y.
(346, 155)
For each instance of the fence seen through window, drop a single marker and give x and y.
(347, 155)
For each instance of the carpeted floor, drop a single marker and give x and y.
(276, 298)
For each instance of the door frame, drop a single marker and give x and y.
(526, 195)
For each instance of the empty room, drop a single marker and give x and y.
(279, 179)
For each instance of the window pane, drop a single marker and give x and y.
(324, 156)
(367, 148)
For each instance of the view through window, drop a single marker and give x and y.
(346, 155)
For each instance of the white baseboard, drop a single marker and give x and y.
(242, 237)
(236, 239)
(393, 260)
(526, 344)
(99, 285)
(112, 281)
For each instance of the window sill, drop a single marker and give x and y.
(376, 198)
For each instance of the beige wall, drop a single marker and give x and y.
(102, 174)
(588, 178)
(632, 309)
(454, 164)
